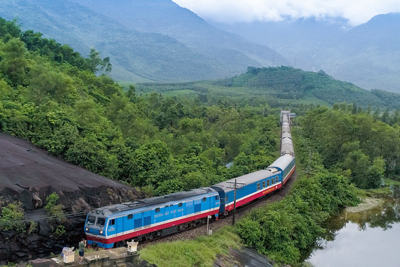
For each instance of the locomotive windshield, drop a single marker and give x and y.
(100, 221)
(91, 220)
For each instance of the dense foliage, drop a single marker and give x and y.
(158, 143)
(348, 140)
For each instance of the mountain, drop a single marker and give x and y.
(138, 54)
(167, 18)
(369, 54)
(366, 55)
(298, 40)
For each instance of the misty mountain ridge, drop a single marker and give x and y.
(366, 55)
(143, 39)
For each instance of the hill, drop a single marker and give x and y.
(365, 55)
(138, 55)
(281, 86)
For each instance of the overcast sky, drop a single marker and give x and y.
(230, 11)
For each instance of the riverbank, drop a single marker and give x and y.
(367, 204)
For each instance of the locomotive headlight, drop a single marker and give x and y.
(101, 231)
(87, 229)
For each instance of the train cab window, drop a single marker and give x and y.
(204, 199)
(158, 209)
(101, 221)
(263, 184)
(258, 186)
(276, 179)
(112, 222)
(91, 220)
(130, 216)
(268, 182)
(180, 205)
(216, 197)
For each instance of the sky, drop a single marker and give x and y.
(231, 11)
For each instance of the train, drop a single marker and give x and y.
(145, 219)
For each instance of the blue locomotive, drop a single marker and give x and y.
(150, 217)
(159, 216)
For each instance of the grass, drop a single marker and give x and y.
(200, 252)
(389, 182)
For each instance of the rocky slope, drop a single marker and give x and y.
(29, 175)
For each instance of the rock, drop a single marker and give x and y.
(30, 175)
(37, 202)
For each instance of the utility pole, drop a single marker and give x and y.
(235, 187)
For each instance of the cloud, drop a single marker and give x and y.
(231, 11)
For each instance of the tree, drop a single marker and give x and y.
(95, 64)
(14, 63)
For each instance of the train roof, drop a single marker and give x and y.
(282, 162)
(153, 202)
(246, 179)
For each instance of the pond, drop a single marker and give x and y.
(366, 238)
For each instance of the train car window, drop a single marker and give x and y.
(130, 216)
(216, 197)
(112, 222)
(263, 184)
(180, 205)
(204, 199)
(226, 199)
(91, 220)
(101, 221)
(268, 182)
(276, 179)
(157, 209)
(258, 186)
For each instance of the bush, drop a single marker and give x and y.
(12, 217)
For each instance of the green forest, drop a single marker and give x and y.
(51, 96)
(68, 105)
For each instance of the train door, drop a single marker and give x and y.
(111, 230)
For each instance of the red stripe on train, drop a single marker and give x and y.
(151, 229)
(253, 197)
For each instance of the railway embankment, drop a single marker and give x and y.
(28, 175)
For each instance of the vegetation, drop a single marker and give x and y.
(55, 211)
(11, 217)
(353, 141)
(279, 86)
(199, 252)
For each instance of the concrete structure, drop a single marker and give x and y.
(103, 258)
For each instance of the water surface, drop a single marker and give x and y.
(364, 239)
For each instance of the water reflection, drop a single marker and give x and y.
(369, 238)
